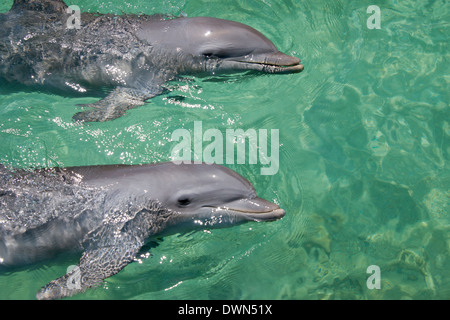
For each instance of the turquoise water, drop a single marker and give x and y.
(363, 156)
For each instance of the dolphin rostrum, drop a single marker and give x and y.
(131, 55)
(109, 212)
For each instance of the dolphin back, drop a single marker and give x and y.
(48, 6)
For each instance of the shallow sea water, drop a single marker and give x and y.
(363, 156)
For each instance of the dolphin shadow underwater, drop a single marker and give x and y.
(110, 212)
(132, 55)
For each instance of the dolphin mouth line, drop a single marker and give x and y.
(253, 212)
(274, 214)
(243, 211)
(271, 67)
(280, 68)
(271, 215)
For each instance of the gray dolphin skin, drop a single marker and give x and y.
(131, 55)
(109, 212)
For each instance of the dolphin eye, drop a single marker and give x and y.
(217, 54)
(184, 201)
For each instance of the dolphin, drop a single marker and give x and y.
(130, 55)
(107, 213)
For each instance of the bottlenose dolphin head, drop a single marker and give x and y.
(219, 45)
(210, 195)
(196, 195)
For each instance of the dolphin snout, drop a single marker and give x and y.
(288, 64)
(271, 62)
(282, 59)
(256, 209)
